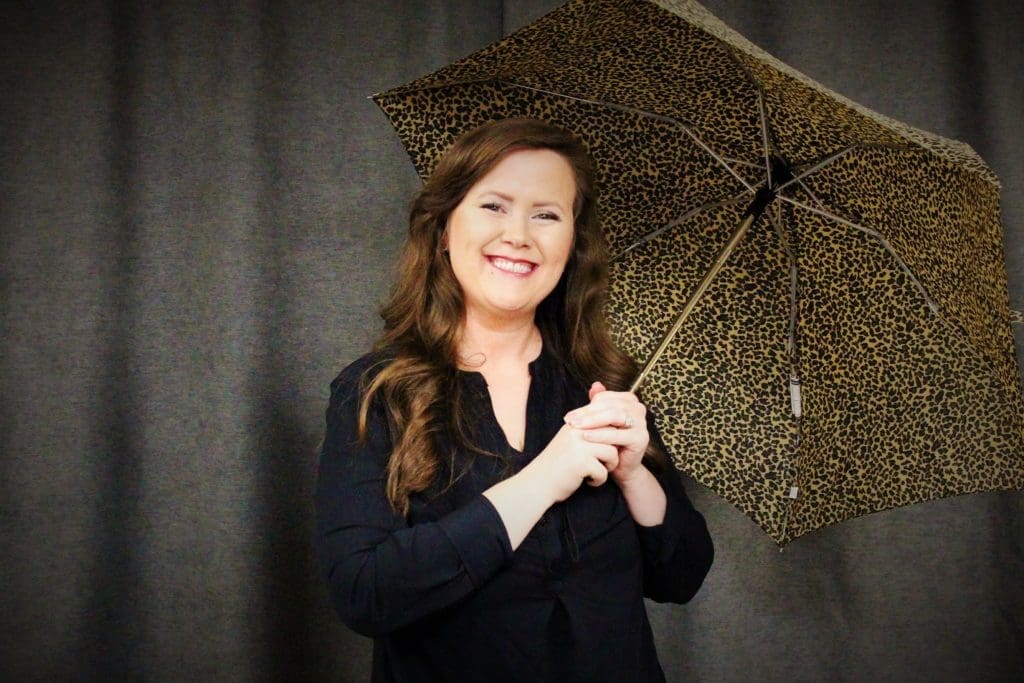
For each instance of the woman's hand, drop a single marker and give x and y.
(608, 435)
(569, 459)
(614, 418)
(550, 478)
(617, 419)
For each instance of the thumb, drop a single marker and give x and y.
(595, 389)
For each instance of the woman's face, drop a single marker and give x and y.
(510, 237)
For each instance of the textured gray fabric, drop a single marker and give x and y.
(199, 213)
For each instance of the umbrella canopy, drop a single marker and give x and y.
(854, 352)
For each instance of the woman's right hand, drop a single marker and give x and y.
(568, 460)
(550, 478)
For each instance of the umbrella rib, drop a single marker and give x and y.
(878, 236)
(811, 194)
(651, 115)
(776, 221)
(797, 177)
(796, 395)
(678, 221)
(741, 162)
(765, 141)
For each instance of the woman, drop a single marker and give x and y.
(490, 504)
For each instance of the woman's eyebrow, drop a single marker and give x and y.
(509, 198)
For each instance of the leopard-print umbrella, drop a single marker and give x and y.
(854, 353)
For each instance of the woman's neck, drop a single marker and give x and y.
(498, 345)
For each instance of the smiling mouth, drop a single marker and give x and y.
(510, 266)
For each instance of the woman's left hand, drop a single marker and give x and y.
(616, 418)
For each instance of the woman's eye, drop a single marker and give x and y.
(491, 206)
(548, 216)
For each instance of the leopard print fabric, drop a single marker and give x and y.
(877, 278)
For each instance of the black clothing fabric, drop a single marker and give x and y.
(441, 591)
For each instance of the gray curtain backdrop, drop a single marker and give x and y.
(199, 214)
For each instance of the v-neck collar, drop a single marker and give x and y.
(542, 394)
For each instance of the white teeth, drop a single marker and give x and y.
(512, 266)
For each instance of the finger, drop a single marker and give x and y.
(599, 396)
(607, 395)
(604, 416)
(612, 436)
(607, 455)
(623, 399)
(596, 474)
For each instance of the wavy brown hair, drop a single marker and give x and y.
(423, 318)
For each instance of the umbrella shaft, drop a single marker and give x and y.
(698, 292)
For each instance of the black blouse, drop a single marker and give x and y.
(441, 591)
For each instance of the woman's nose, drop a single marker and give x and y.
(516, 231)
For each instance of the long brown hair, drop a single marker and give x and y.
(424, 316)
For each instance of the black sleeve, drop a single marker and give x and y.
(677, 553)
(384, 573)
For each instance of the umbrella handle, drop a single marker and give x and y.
(695, 296)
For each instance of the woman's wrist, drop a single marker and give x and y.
(637, 476)
(644, 496)
(520, 501)
(536, 485)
